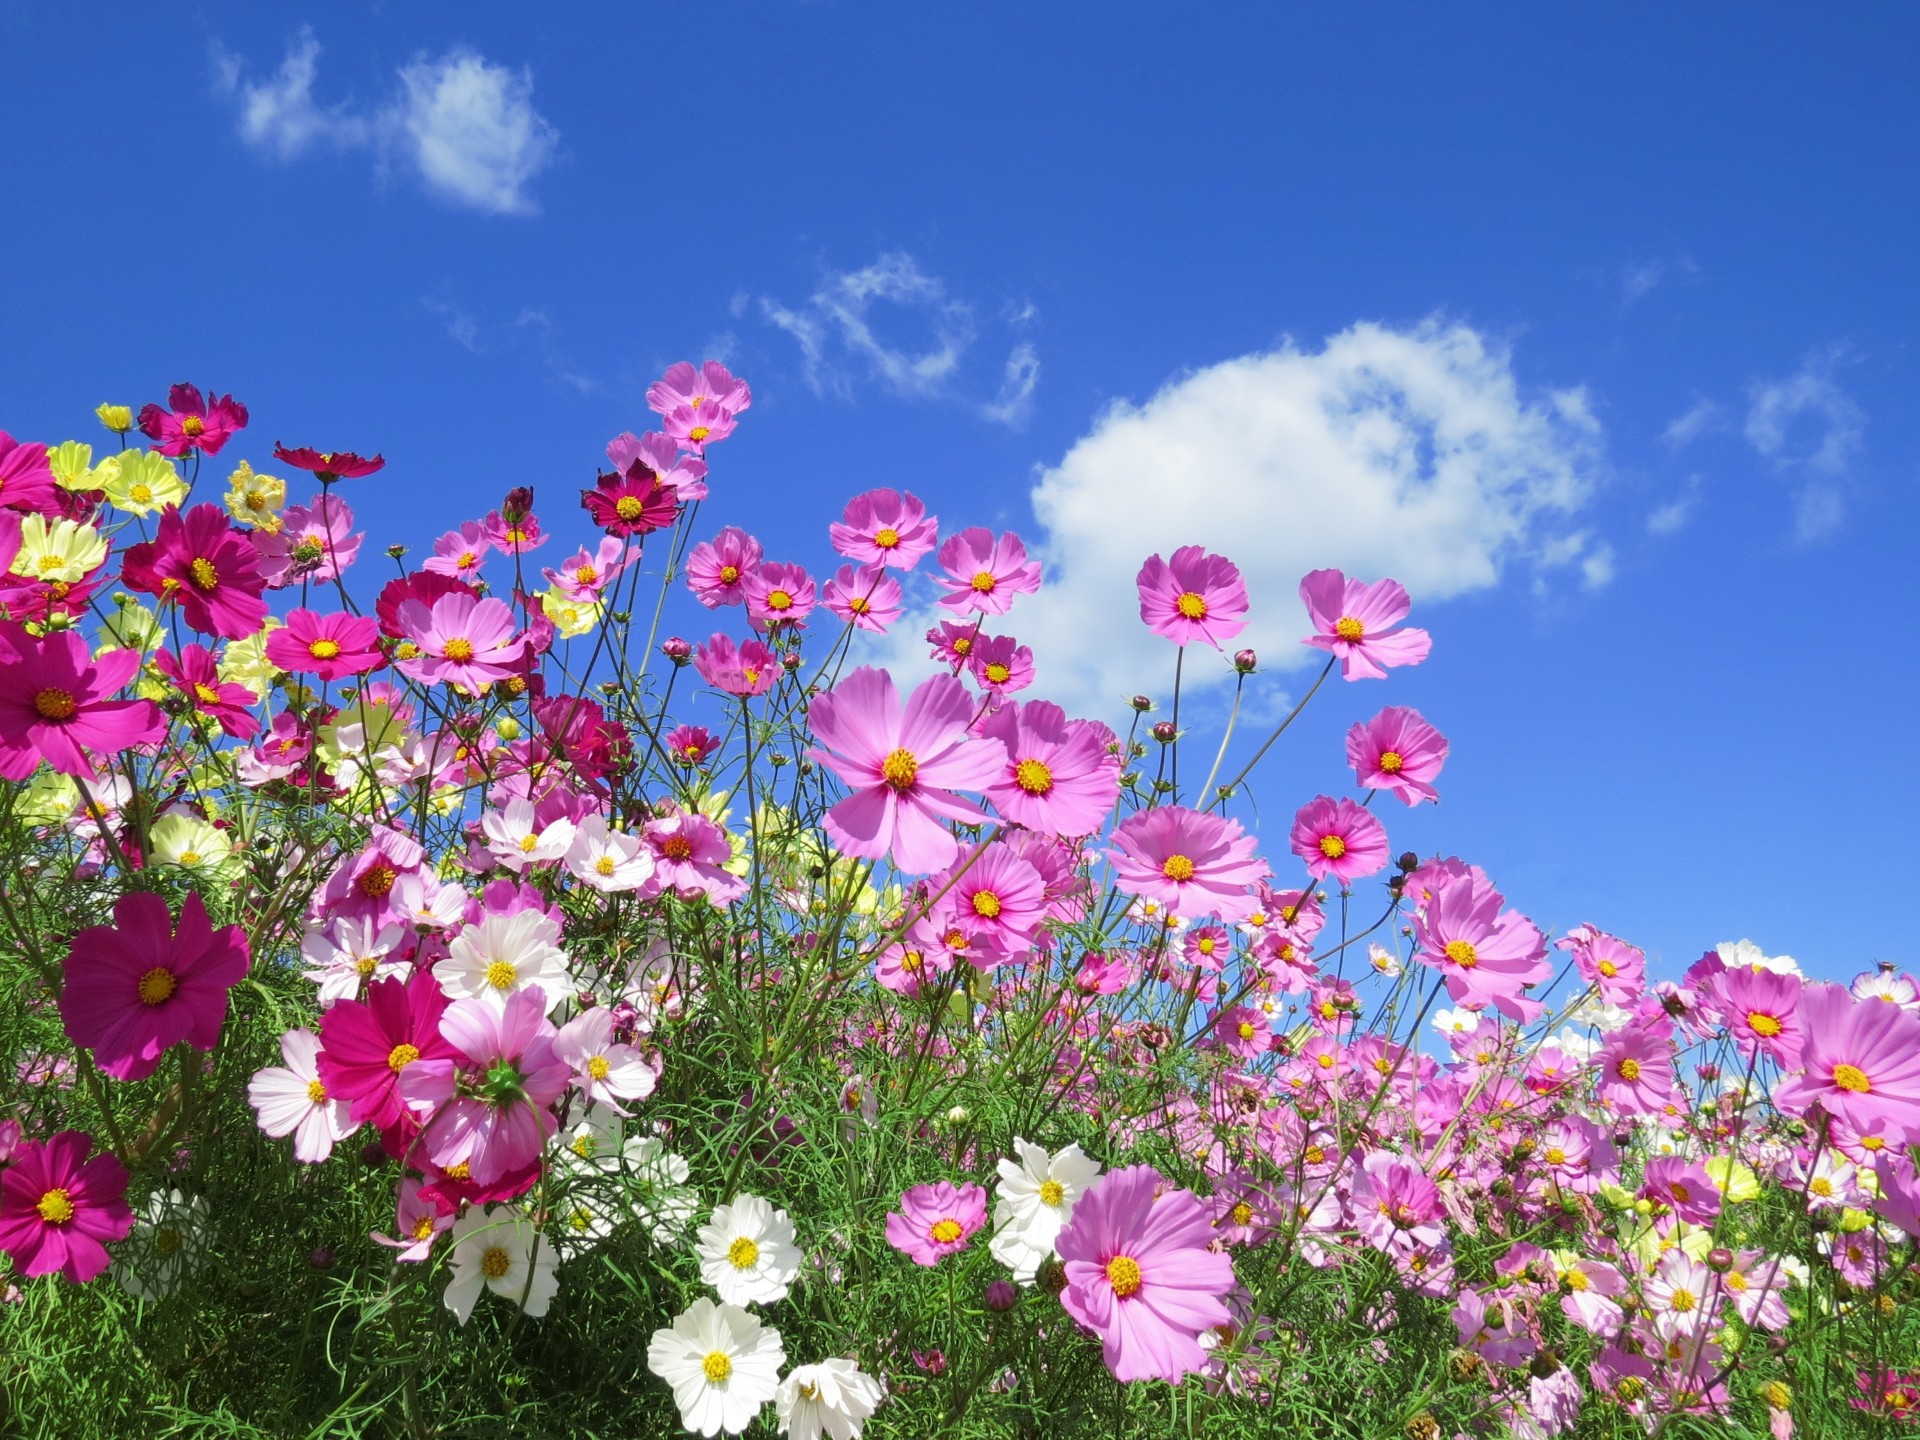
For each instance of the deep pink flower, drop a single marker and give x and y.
(515, 529)
(902, 766)
(1194, 596)
(778, 594)
(424, 586)
(1398, 751)
(59, 1210)
(208, 567)
(191, 423)
(54, 705)
(328, 646)
(1357, 622)
(1192, 863)
(999, 902)
(196, 675)
(884, 527)
(1861, 1061)
(984, 574)
(26, 478)
(488, 1107)
(328, 465)
(868, 597)
(717, 569)
(1058, 777)
(135, 988)
(1339, 838)
(1487, 955)
(684, 387)
(372, 884)
(365, 1044)
(636, 504)
(655, 457)
(1000, 664)
(1141, 1274)
(749, 668)
(935, 1221)
(690, 744)
(460, 641)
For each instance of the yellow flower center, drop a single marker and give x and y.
(1177, 868)
(716, 1367)
(1577, 1280)
(205, 693)
(1033, 776)
(912, 960)
(628, 507)
(1349, 629)
(698, 434)
(203, 574)
(1462, 953)
(529, 844)
(604, 865)
(1556, 1156)
(1607, 968)
(140, 494)
(729, 574)
(986, 905)
(779, 600)
(1191, 606)
(945, 1232)
(316, 1092)
(586, 575)
(324, 649)
(1391, 762)
(899, 769)
(999, 674)
(54, 704)
(157, 986)
(1821, 1186)
(1763, 1025)
(677, 848)
(1052, 1192)
(1852, 1079)
(983, 582)
(1123, 1274)
(495, 1263)
(1628, 1069)
(459, 650)
(598, 1067)
(1241, 1213)
(858, 605)
(1246, 1030)
(189, 857)
(193, 427)
(401, 1056)
(423, 1227)
(501, 974)
(55, 1207)
(886, 537)
(1683, 1301)
(743, 1254)
(1332, 846)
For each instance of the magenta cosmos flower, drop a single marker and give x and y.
(1357, 622)
(984, 574)
(1339, 838)
(460, 640)
(26, 477)
(488, 1108)
(191, 423)
(59, 1210)
(1191, 863)
(1861, 1061)
(717, 569)
(328, 465)
(1141, 1275)
(749, 668)
(211, 570)
(903, 767)
(196, 675)
(1397, 751)
(135, 988)
(868, 597)
(365, 1044)
(1194, 596)
(779, 594)
(54, 705)
(1487, 955)
(655, 457)
(629, 505)
(328, 646)
(884, 527)
(935, 1221)
(1058, 777)
(685, 387)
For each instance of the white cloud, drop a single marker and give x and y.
(1811, 394)
(1667, 519)
(540, 324)
(1691, 424)
(1405, 453)
(847, 331)
(466, 126)
(462, 326)
(1637, 280)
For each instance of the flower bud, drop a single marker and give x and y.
(1720, 1260)
(1409, 862)
(373, 1154)
(1142, 704)
(518, 504)
(1001, 1297)
(676, 649)
(1164, 732)
(320, 1257)
(117, 418)
(394, 552)
(958, 1115)
(790, 661)
(1244, 661)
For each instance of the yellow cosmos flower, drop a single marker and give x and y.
(117, 418)
(244, 662)
(58, 551)
(72, 466)
(185, 840)
(1733, 1178)
(132, 626)
(256, 499)
(569, 617)
(143, 483)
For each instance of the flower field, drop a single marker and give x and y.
(442, 1000)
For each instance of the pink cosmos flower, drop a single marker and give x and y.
(365, 1044)
(1357, 622)
(999, 901)
(884, 527)
(1058, 777)
(1243, 1032)
(1683, 1186)
(586, 575)
(1001, 664)
(717, 569)
(985, 574)
(1339, 838)
(460, 641)
(459, 553)
(489, 1108)
(1618, 970)
(635, 504)
(913, 960)
(54, 705)
(690, 744)
(205, 565)
(190, 423)
(1861, 1059)
(364, 886)
(1760, 1010)
(902, 766)
(778, 594)
(935, 1221)
(1141, 1274)
(26, 477)
(696, 428)
(196, 675)
(655, 457)
(606, 1072)
(419, 1220)
(953, 642)
(689, 853)
(59, 1210)
(1396, 1208)
(328, 646)
(137, 987)
(868, 597)
(1195, 596)
(292, 1100)
(1634, 1070)
(1487, 955)
(314, 542)
(1398, 751)
(747, 669)
(515, 529)
(684, 387)
(1192, 863)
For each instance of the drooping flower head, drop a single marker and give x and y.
(191, 423)
(59, 1210)
(884, 527)
(55, 704)
(1196, 596)
(1360, 623)
(1193, 864)
(328, 465)
(867, 597)
(984, 574)
(1339, 838)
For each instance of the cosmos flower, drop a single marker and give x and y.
(190, 423)
(1339, 838)
(746, 1252)
(1033, 1202)
(745, 670)
(1196, 596)
(935, 1221)
(327, 646)
(885, 528)
(717, 569)
(1192, 863)
(722, 1364)
(59, 1210)
(200, 562)
(984, 574)
(833, 1398)
(1397, 751)
(1360, 624)
(495, 1248)
(55, 706)
(293, 1100)
(1058, 777)
(1860, 1061)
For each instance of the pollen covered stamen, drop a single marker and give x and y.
(1391, 762)
(1191, 606)
(900, 769)
(1852, 1079)
(157, 986)
(54, 704)
(56, 1207)
(1349, 629)
(1177, 868)
(743, 1253)
(1462, 953)
(202, 573)
(1123, 1274)
(1333, 846)
(945, 1232)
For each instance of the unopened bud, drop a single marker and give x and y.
(790, 662)
(1164, 732)
(1409, 862)
(117, 418)
(1244, 661)
(1142, 704)
(1001, 1297)
(1720, 1260)
(676, 650)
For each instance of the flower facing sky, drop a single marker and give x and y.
(1192, 863)
(1339, 838)
(1196, 596)
(59, 1210)
(722, 1364)
(56, 704)
(1360, 624)
(935, 1221)
(747, 1252)
(984, 574)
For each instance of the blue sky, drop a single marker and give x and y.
(1595, 327)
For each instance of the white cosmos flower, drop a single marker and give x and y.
(606, 1073)
(1033, 1202)
(503, 954)
(516, 842)
(164, 1246)
(747, 1252)
(497, 1248)
(609, 860)
(1886, 983)
(1576, 1045)
(1740, 954)
(291, 1100)
(832, 1398)
(349, 952)
(1456, 1022)
(723, 1365)
(592, 1143)
(663, 1200)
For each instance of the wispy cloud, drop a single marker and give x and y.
(464, 126)
(1690, 424)
(1810, 428)
(462, 325)
(540, 325)
(1640, 278)
(894, 325)
(1668, 519)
